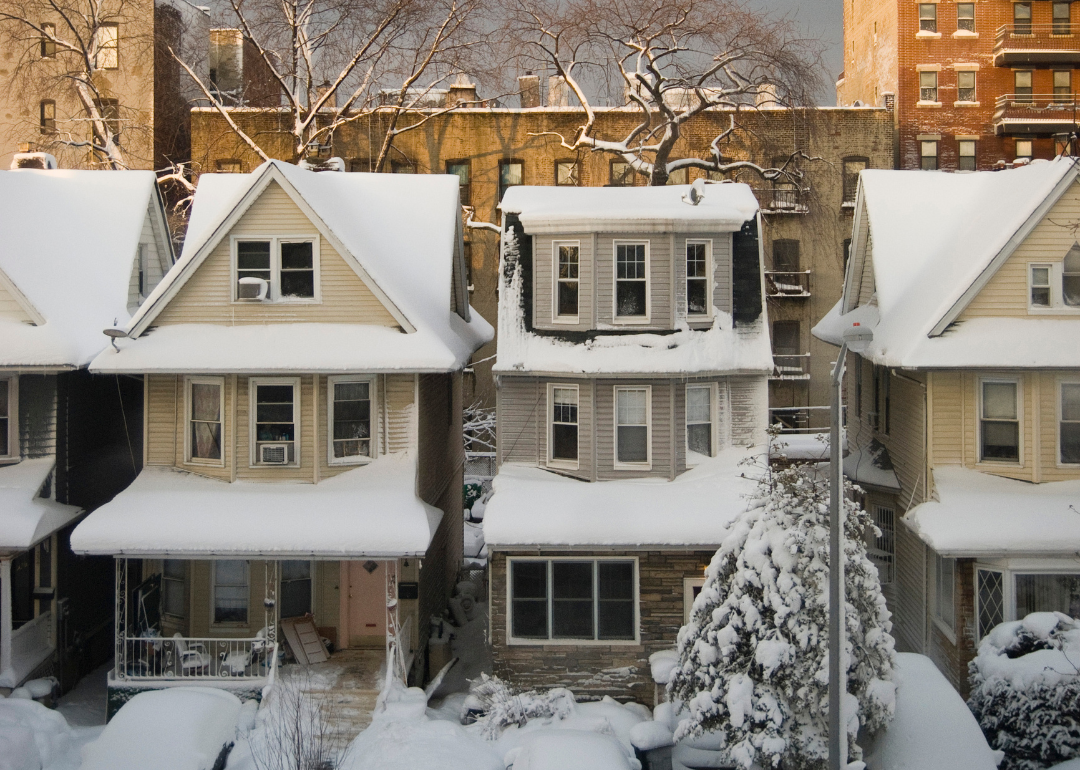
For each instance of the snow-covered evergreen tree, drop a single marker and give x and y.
(754, 660)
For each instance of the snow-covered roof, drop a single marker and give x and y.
(723, 208)
(26, 518)
(978, 514)
(371, 512)
(399, 233)
(69, 245)
(936, 237)
(871, 465)
(536, 508)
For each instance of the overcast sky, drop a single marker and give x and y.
(823, 19)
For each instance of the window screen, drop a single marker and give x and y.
(699, 427)
(564, 424)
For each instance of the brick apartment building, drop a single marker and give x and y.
(976, 84)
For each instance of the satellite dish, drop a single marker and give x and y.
(696, 192)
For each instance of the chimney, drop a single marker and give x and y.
(462, 91)
(558, 92)
(27, 159)
(765, 97)
(529, 88)
(321, 89)
(888, 101)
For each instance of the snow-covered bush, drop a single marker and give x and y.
(753, 660)
(501, 707)
(1025, 690)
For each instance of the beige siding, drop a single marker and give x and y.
(749, 409)
(947, 418)
(659, 272)
(909, 610)
(10, 308)
(401, 411)
(164, 405)
(544, 277)
(721, 271)
(155, 262)
(867, 286)
(660, 434)
(520, 404)
(207, 295)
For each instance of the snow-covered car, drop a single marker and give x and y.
(31, 735)
(560, 749)
(180, 728)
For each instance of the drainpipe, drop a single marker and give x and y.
(5, 614)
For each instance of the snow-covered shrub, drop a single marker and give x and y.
(1025, 690)
(501, 707)
(753, 660)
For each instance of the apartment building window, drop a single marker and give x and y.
(573, 599)
(1062, 84)
(206, 407)
(1022, 86)
(275, 418)
(229, 166)
(632, 418)
(1021, 18)
(786, 345)
(460, 169)
(1061, 14)
(107, 46)
(295, 588)
(1039, 278)
(1069, 438)
(1024, 149)
(785, 255)
(288, 266)
(563, 437)
(965, 17)
(928, 86)
(679, 176)
(173, 580)
(999, 420)
(851, 170)
(882, 548)
(511, 173)
(621, 174)
(109, 109)
(567, 173)
(928, 155)
(9, 421)
(631, 280)
(47, 116)
(967, 160)
(928, 17)
(944, 591)
(699, 420)
(230, 589)
(351, 434)
(965, 86)
(48, 40)
(1070, 277)
(567, 280)
(697, 277)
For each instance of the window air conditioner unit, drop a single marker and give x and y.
(274, 454)
(253, 289)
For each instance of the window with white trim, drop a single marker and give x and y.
(632, 413)
(698, 259)
(563, 437)
(699, 422)
(1070, 277)
(9, 418)
(288, 265)
(573, 599)
(295, 588)
(944, 591)
(206, 406)
(999, 420)
(882, 547)
(275, 418)
(351, 429)
(691, 588)
(230, 589)
(567, 280)
(631, 280)
(1039, 276)
(989, 599)
(173, 581)
(1069, 430)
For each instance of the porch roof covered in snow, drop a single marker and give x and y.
(367, 512)
(979, 515)
(26, 518)
(533, 507)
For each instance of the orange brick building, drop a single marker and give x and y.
(975, 84)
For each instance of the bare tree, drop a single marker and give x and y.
(671, 60)
(338, 61)
(293, 728)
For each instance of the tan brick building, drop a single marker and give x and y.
(975, 83)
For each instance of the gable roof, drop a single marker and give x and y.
(937, 239)
(70, 240)
(399, 233)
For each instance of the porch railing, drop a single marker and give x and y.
(156, 657)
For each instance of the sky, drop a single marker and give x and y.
(823, 19)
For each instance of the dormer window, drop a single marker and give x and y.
(9, 439)
(288, 265)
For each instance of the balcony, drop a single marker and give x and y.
(781, 199)
(1035, 114)
(791, 366)
(787, 284)
(1037, 44)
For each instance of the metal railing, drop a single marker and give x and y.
(156, 657)
(800, 419)
(781, 199)
(787, 284)
(791, 367)
(1037, 37)
(1048, 113)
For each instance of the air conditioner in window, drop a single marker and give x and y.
(252, 289)
(274, 454)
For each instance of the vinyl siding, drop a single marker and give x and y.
(660, 433)
(154, 263)
(867, 286)
(909, 608)
(749, 409)
(544, 282)
(207, 295)
(721, 271)
(9, 308)
(659, 272)
(519, 400)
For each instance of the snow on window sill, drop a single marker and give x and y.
(347, 462)
(967, 34)
(1053, 310)
(203, 463)
(927, 35)
(568, 320)
(927, 104)
(631, 319)
(965, 104)
(944, 628)
(633, 466)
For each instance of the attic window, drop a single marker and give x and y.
(289, 266)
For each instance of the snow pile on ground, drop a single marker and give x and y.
(1026, 690)
(33, 736)
(932, 728)
(180, 728)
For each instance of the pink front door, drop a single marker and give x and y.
(366, 603)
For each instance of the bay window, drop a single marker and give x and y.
(573, 599)
(1011, 590)
(999, 420)
(351, 426)
(632, 418)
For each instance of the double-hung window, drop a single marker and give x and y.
(632, 426)
(631, 281)
(295, 588)
(563, 438)
(351, 429)
(511, 173)
(698, 283)
(1069, 436)
(573, 599)
(460, 169)
(965, 86)
(1022, 88)
(9, 418)
(1021, 18)
(288, 265)
(621, 174)
(47, 116)
(967, 157)
(173, 579)
(230, 591)
(927, 17)
(275, 421)
(1039, 277)
(928, 86)
(944, 588)
(567, 281)
(699, 421)
(1063, 85)
(1061, 16)
(48, 40)
(206, 406)
(1070, 277)
(567, 173)
(999, 420)
(965, 17)
(928, 157)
